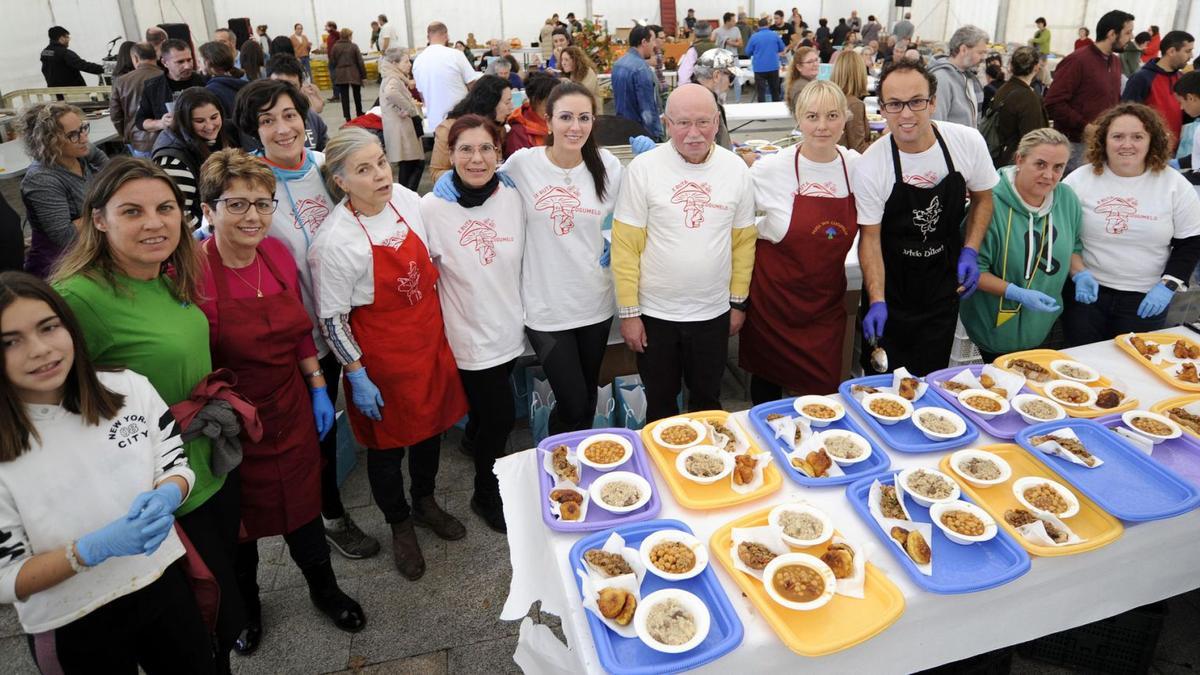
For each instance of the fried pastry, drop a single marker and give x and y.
(1019, 517)
(917, 548)
(1001, 391)
(755, 556)
(563, 496)
(1109, 398)
(820, 462)
(1187, 373)
(908, 388)
(1031, 370)
(610, 564)
(611, 602)
(953, 387)
(743, 469)
(563, 469)
(570, 510)
(1185, 351)
(1146, 349)
(986, 381)
(840, 559)
(899, 534)
(627, 611)
(1187, 419)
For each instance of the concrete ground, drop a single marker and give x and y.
(448, 621)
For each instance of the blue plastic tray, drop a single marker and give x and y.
(905, 436)
(878, 462)
(621, 655)
(597, 518)
(1181, 455)
(956, 568)
(1004, 426)
(1129, 484)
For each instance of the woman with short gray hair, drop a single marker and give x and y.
(64, 161)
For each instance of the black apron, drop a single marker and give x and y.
(920, 240)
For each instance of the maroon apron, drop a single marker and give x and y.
(797, 316)
(404, 348)
(257, 339)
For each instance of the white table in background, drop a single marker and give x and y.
(14, 160)
(738, 115)
(1056, 594)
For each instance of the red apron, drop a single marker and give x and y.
(404, 348)
(256, 339)
(797, 315)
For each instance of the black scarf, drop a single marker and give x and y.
(470, 197)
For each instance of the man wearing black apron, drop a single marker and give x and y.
(917, 255)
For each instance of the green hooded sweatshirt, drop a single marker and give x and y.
(1014, 249)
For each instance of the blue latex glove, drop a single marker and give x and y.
(874, 321)
(968, 271)
(322, 410)
(1156, 301)
(161, 501)
(640, 144)
(121, 537)
(1031, 299)
(444, 187)
(1087, 289)
(365, 394)
(606, 255)
(156, 533)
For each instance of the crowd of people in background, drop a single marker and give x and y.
(237, 264)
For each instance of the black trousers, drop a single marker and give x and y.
(157, 627)
(342, 91)
(213, 529)
(493, 414)
(307, 546)
(763, 390)
(571, 360)
(767, 83)
(331, 497)
(409, 173)
(692, 350)
(1113, 313)
(385, 472)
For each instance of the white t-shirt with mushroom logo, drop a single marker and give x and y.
(689, 212)
(562, 283)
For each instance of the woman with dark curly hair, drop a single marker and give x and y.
(491, 98)
(1141, 228)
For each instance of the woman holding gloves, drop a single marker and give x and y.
(94, 576)
(258, 329)
(1031, 247)
(380, 313)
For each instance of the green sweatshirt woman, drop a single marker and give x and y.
(1028, 247)
(1041, 40)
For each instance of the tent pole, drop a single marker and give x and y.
(1001, 22)
(129, 19)
(210, 18)
(408, 23)
(1183, 13)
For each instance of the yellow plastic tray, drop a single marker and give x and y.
(717, 495)
(1091, 523)
(1163, 369)
(840, 624)
(1179, 401)
(1043, 357)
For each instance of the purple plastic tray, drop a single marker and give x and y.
(1005, 426)
(1181, 455)
(597, 518)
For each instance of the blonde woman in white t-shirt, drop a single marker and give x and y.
(1141, 227)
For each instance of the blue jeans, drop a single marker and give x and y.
(307, 65)
(1113, 313)
(768, 86)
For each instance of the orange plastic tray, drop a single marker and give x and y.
(1091, 523)
(840, 624)
(1043, 357)
(1179, 401)
(1164, 369)
(717, 495)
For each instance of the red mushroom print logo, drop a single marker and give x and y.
(410, 284)
(310, 213)
(694, 198)
(481, 234)
(562, 205)
(1116, 211)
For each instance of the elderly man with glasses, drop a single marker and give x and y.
(682, 252)
(918, 256)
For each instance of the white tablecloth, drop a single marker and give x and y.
(1150, 561)
(756, 112)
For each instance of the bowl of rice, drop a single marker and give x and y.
(980, 467)
(672, 621)
(939, 424)
(704, 464)
(1036, 409)
(928, 486)
(845, 447)
(620, 492)
(801, 525)
(820, 411)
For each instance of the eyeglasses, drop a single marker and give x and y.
(567, 118)
(79, 133)
(238, 206)
(468, 151)
(915, 105)
(701, 125)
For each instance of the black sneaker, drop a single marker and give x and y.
(347, 539)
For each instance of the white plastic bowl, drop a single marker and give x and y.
(973, 453)
(655, 538)
(1130, 415)
(619, 440)
(970, 393)
(884, 419)
(862, 443)
(726, 459)
(1059, 365)
(902, 481)
(807, 560)
(1022, 484)
(1021, 399)
(1050, 386)
(696, 425)
(642, 484)
(960, 426)
(826, 524)
(818, 422)
(989, 523)
(690, 602)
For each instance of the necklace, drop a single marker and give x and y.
(257, 286)
(566, 172)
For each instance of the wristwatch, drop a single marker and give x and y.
(740, 306)
(1175, 285)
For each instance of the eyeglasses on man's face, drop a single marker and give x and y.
(915, 105)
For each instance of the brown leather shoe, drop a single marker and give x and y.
(427, 513)
(406, 550)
